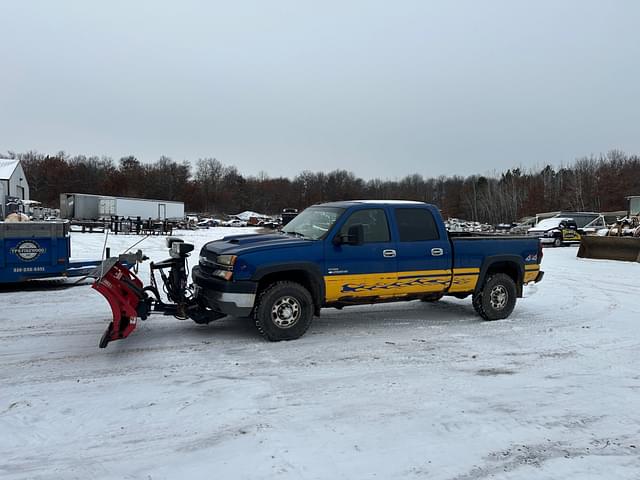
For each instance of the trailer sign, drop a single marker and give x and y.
(28, 250)
(31, 250)
(29, 269)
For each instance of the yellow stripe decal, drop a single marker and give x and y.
(465, 270)
(530, 276)
(359, 285)
(388, 284)
(424, 273)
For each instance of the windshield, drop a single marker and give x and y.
(582, 221)
(549, 223)
(314, 222)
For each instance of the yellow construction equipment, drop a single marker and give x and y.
(610, 248)
(621, 243)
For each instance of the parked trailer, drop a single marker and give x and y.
(32, 250)
(140, 207)
(84, 206)
(79, 206)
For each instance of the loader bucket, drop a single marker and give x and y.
(610, 248)
(124, 292)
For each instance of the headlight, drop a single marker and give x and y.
(226, 260)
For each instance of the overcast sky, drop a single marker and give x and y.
(380, 88)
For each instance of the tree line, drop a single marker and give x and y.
(594, 183)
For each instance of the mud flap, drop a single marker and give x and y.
(610, 248)
(124, 292)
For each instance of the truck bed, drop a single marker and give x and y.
(470, 251)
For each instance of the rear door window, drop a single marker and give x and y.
(416, 225)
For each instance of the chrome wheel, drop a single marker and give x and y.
(285, 312)
(498, 297)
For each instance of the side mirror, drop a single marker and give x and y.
(354, 236)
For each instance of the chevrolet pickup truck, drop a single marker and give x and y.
(360, 252)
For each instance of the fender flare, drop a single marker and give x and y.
(516, 260)
(309, 268)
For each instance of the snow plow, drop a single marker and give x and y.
(130, 301)
(610, 248)
(622, 241)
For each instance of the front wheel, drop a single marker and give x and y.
(497, 298)
(557, 242)
(284, 311)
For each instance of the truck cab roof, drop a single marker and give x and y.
(351, 203)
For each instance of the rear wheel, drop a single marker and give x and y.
(284, 311)
(497, 298)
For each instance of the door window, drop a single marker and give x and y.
(416, 225)
(374, 221)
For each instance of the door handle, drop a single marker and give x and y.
(437, 252)
(389, 253)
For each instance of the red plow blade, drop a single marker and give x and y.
(124, 292)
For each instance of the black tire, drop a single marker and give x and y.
(557, 242)
(284, 311)
(497, 298)
(432, 297)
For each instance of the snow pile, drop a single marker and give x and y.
(458, 225)
(247, 214)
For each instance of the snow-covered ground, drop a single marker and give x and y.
(409, 390)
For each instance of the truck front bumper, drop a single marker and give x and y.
(227, 297)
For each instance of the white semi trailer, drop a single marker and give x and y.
(82, 206)
(79, 206)
(140, 207)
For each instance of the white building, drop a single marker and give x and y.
(13, 183)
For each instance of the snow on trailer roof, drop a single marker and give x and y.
(7, 167)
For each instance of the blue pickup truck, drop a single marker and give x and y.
(360, 252)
